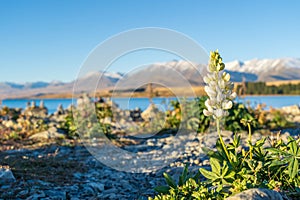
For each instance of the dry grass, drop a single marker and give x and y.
(277, 83)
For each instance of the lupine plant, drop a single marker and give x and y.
(235, 168)
(219, 90)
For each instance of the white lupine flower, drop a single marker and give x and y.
(207, 113)
(233, 95)
(206, 79)
(218, 88)
(218, 113)
(210, 91)
(222, 84)
(208, 105)
(227, 105)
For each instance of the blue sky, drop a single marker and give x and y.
(49, 40)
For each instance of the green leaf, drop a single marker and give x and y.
(260, 142)
(230, 175)
(215, 166)
(219, 188)
(277, 151)
(162, 189)
(209, 175)
(208, 151)
(225, 169)
(292, 145)
(233, 157)
(220, 149)
(236, 140)
(183, 176)
(169, 180)
(277, 163)
(196, 176)
(293, 168)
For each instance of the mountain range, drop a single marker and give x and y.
(169, 74)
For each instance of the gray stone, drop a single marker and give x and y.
(56, 194)
(51, 133)
(150, 112)
(37, 195)
(6, 176)
(97, 187)
(257, 194)
(84, 100)
(294, 110)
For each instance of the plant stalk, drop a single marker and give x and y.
(250, 140)
(222, 141)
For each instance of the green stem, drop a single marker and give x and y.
(222, 141)
(250, 140)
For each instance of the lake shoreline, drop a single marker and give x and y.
(274, 101)
(139, 97)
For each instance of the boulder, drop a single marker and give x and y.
(6, 176)
(60, 110)
(9, 123)
(84, 101)
(257, 194)
(150, 113)
(51, 133)
(294, 110)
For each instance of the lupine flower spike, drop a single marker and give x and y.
(218, 88)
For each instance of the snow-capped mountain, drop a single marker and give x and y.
(267, 69)
(172, 74)
(169, 74)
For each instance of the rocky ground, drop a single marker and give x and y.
(43, 162)
(70, 171)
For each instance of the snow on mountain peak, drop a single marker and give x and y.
(113, 75)
(234, 65)
(257, 66)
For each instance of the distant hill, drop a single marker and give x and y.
(169, 74)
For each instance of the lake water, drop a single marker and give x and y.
(132, 103)
(271, 101)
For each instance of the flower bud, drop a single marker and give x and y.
(226, 76)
